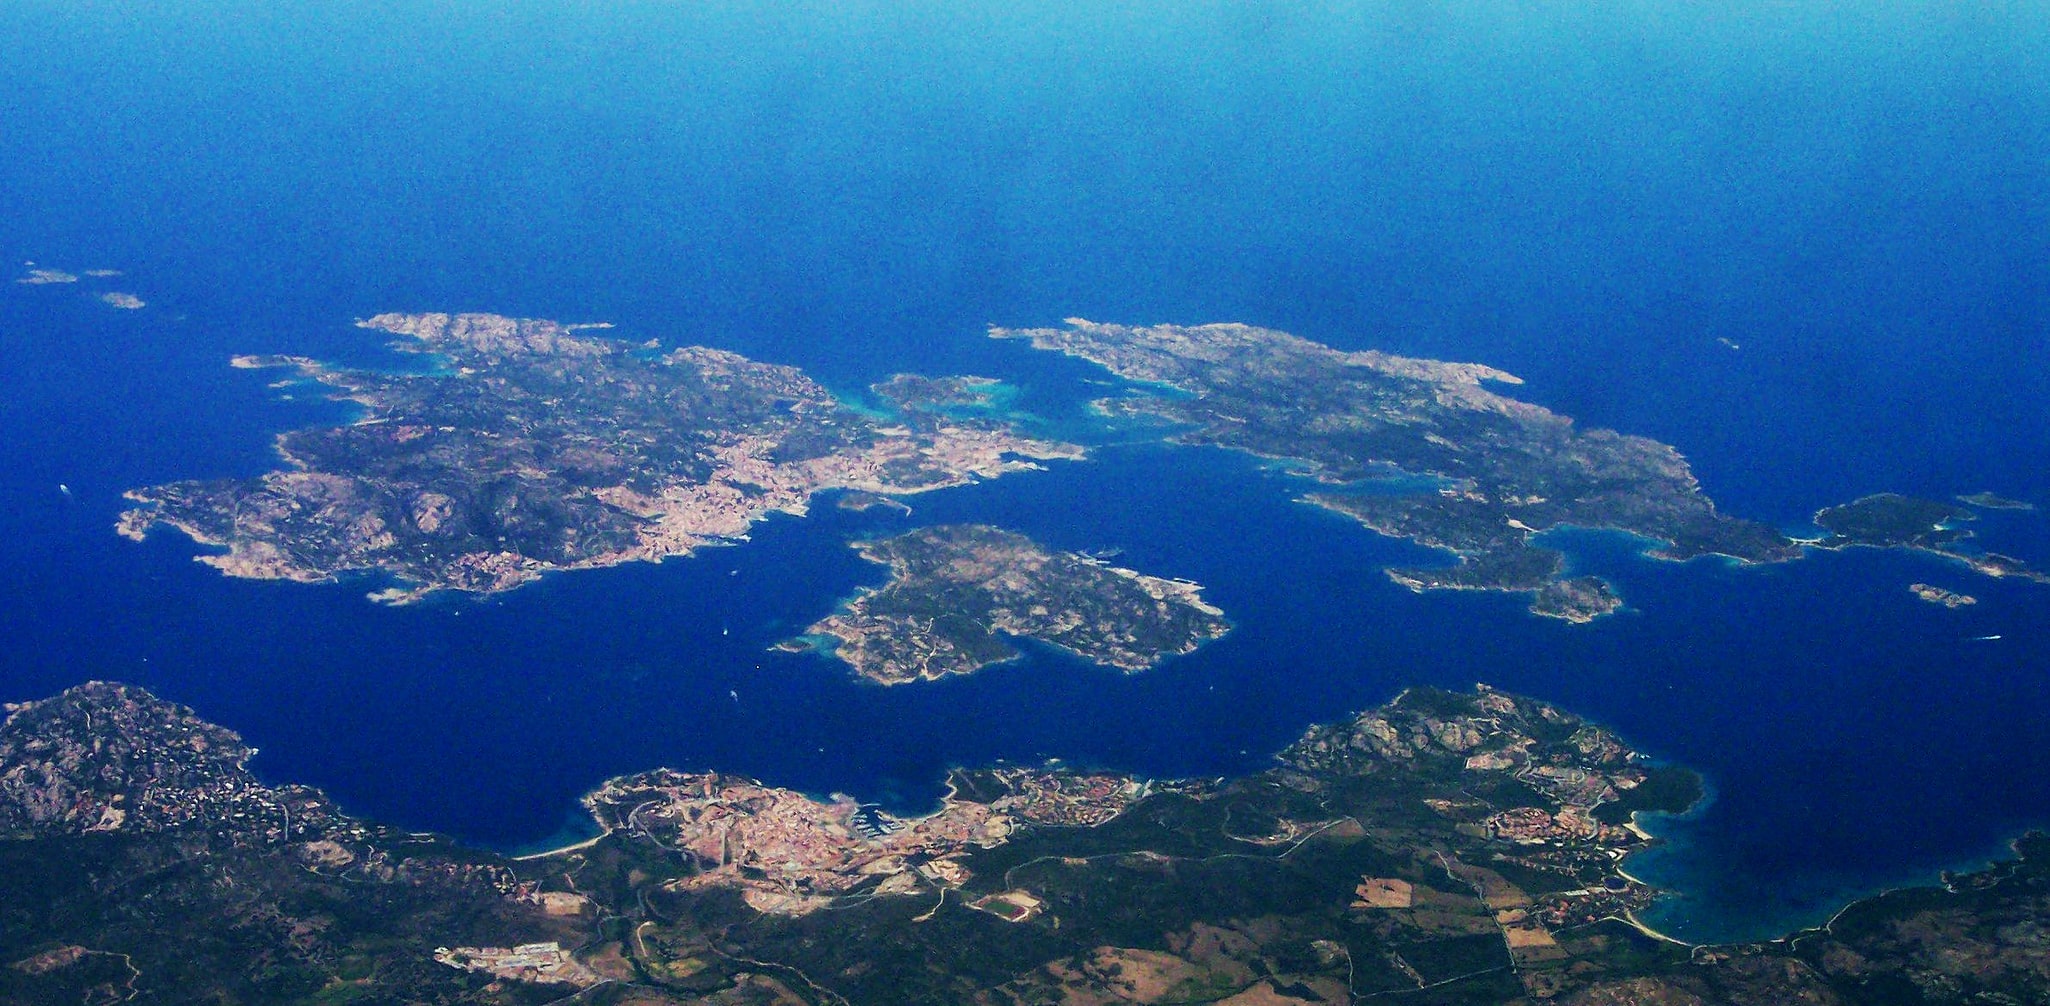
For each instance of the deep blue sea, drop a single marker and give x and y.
(1601, 198)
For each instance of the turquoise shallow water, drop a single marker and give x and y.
(1590, 198)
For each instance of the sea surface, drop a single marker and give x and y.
(1809, 245)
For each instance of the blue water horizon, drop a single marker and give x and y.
(1804, 246)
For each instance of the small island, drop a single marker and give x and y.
(861, 502)
(530, 446)
(46, 277)
(1994, 501)
(1937, 595)
(1891, 520)
(1495, 472)
(965, 393)
(956, 591)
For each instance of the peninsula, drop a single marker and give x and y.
(531, 446)
(1369, 424)
(153, 864)
(1447, 848)
(956, 591)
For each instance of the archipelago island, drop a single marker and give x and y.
(1995, 501)
(528, 446)
(1367, 424)
(1424, 450)
(532, 446)
(1891, 520)
(956, 591)
(1939, 596)
(1445, 848)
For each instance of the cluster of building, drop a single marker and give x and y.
(1532, 825)
(1571, 784)
(791, 854)
(1586, 905)
(1067, 799)
(528, 962)
(111, 758)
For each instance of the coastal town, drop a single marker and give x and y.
(1468, 844)
(1517, 829)
(540, 447)
(791, 854)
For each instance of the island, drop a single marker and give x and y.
(956, 591)
(861, 502)
(1891, 520)
(1418, 449)
(1445, 848)
(964, 393)
(1937, 595)
(527, 446)
(1994, 501)
(46, 277)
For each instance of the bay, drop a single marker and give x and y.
(1802, 245)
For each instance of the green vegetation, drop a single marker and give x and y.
(1500, 470)
(541, 447)
(1434, 849)
(1668, 789)
(957, 591)
(1892, 520)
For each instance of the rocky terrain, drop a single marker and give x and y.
(529, 446)
(956, 591)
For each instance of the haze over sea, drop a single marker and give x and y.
(1601, 198)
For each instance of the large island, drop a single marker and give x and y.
(531, 446)
(1368, 425)
(956, 591)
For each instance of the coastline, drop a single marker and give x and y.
(603, 834)
(1774, 927)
